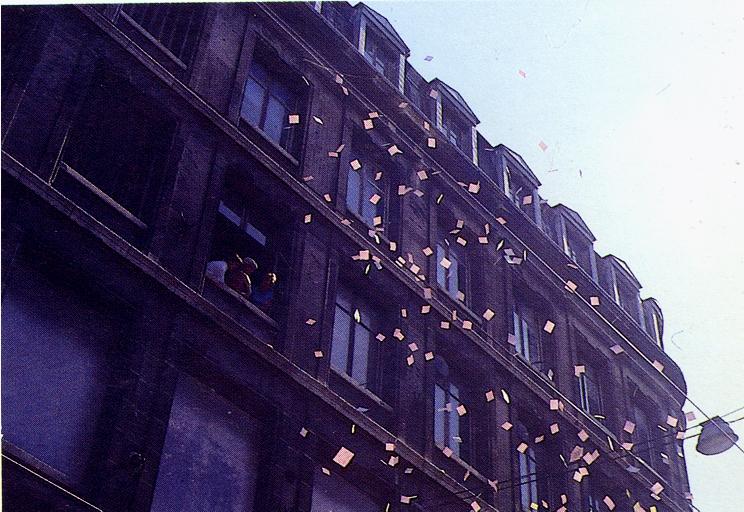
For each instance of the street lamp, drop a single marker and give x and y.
(716, 437)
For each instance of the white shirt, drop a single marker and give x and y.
(216, 270)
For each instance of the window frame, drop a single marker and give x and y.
(366, 187)
(528, 468)
(525, 316)
(453, 426)
(375, 354)
(444, 276)
(278, 75)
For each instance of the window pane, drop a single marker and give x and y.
(439, 415)
(453, 275)
(454, 426)
(210, 456)
(361, 354)
(276, 119)
(340, 344)
(253, 98)
(353, 192)
(441, 271)
(526, 347)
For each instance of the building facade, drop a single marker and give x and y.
(437, 338)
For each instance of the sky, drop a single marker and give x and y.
(641, 106)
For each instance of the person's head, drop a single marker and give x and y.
(249, 266)
(234, 262)
(268, 281)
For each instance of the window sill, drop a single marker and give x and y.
(218, 286)
(242, 123)
(473, 472)
(449, 299)
(100, 194)
(144, 33)
(366, 392)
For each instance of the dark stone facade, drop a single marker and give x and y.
(140, 143)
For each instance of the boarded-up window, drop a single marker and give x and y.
(210, 457)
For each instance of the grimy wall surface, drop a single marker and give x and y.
(438, 336)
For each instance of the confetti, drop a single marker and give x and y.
(294, 118)
(490, 397)
(594, 301)
(317, 120)
(389, 447)
(522, 447)
(629, 426)
(505, 396)
(339, 79)
(657, 488)
(375, 198)
(431, 142)
(583, 435)
(326, 471)
(429, 356)
(526, 200)
(368, 124)
(461, 410)
(522, 74)
(549, 327)
(343, 457)
(447, 451)
(303, 432)
(412, 347)
(467, 324)
(318, 354)
(542, 146)
(402, 104)
(327, 198)
(658, 365)
(410, 360)
(355, 164)
(554, 428)
(579, 369)
(506, 426)
(422, 175)
(617, 349)
(571, 286)
(672, 422)
(308, 218)
(373, 115)
(433, 94)
(608, 501)
(428, 58)
(393, 150)
(310, 321)
(488, 314)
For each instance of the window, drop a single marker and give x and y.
(331, 493)
(175, 26)
(355, 351)
(210, 456)
(592, 502)
(645, 440)
(576, 249)
(249, 224)
(62, 369)
(451, 271)
(272, 93)
(527, 335)
(450, 428)
(119, 144)
(590, 393)
(365, 192)
(456, 133)
(528, 471)
(381, 57)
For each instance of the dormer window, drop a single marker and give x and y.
(457, 131)
(381, 56)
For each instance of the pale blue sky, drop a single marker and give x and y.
(646, 99)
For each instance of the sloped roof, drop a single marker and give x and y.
(576, 218)
(625, 267)
(523, 165)
(382, 24)
(456, 97)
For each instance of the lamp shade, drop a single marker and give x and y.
(716, 437)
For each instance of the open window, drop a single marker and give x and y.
(358, 352)
(116, 149)
(175, 26)
(249, 224)
(272, 93)
(527, 327)
(530, 470)
(452, 271)
(452, 427)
